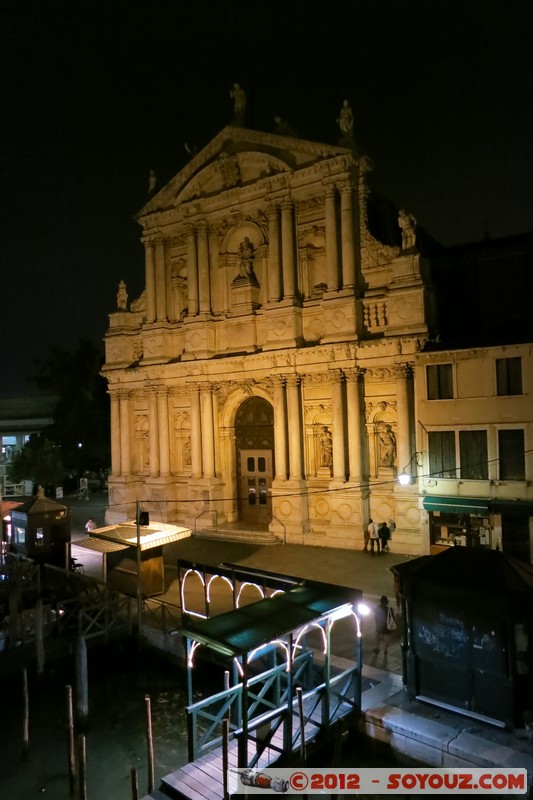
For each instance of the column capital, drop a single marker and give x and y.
(272, 210)
(346, 187)
(293, 381)
(353, 374)
(336, 374)
(286, 204)
(404, 370)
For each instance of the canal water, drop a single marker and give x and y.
(119, 679)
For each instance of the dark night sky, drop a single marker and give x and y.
(95, 93)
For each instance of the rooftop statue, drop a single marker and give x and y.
(239, 103)
(122, 297)
(407, 224)
(152, 180)
(283, 128)
(345, 119)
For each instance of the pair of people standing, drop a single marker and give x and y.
(377, 536)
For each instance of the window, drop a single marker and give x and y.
(19, 535)
(439, 382)
(509, 376)
(442, 454)
(474, 459)
(512, 457)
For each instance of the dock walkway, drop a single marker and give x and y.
(202, 779)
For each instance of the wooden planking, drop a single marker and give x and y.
(202, 779)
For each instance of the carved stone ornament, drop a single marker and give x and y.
(229, 170)
(376, 374)
(140, 303)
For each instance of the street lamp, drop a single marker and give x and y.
(405, 477)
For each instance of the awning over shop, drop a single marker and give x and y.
(513, 508)
(457, 505)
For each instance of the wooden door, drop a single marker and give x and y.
(256, 480)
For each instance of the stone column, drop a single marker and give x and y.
(294, 426)
(153, 436)
(337, 414)
(115, 434)
(332, 250)
(160, 281)
(196, 434)
(203, 269)
(287, 249)
(192, 273)
(355, 411)
(274, 284)
(280, 428)
(208, 440)
(150, 281)
(347, 230)
(405, 431)
(125, 466)
(164, 437)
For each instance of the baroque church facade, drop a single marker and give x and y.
(264, 378)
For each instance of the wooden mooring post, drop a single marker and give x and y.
(134, 784)
(82, 771)
(82, 692)
(149, 744)
(39, 640)
(26, 722)
(71, 746)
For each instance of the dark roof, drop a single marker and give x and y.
(40, 505)
(242, 630)
(472, 568)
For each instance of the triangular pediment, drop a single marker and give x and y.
(238, 157)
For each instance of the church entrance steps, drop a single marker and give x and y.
(233, 532)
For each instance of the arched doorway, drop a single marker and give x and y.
(254, 440)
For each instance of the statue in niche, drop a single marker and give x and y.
(387, 447)
(315, 238)
(122, 297)
(247, 254)
(345, 119)
(325, 442)
(239, 103)
(187, 452)
(407, 224)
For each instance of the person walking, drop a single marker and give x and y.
(90, 525)
(366, 534)
(385, 622)
(384, 536)
(373, 536)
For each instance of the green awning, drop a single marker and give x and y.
(457, 505)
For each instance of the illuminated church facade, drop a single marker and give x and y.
(263, 381)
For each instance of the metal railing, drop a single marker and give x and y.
(160, 614)
(266, 693)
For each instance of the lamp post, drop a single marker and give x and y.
(139, 592)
